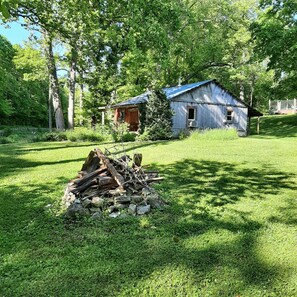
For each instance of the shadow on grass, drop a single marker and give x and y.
(11, 160)
(279, 126)
(42, 256)
(286, 214)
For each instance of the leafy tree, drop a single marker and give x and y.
(5, 6)
(7, 78)
(23, 88)
(275, 31)
(31, 65)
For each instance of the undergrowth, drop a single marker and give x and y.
(31, 134)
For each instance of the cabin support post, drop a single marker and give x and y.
(258, 125)
(103, 118)
(249, 126)
(102, 110)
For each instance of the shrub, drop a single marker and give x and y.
(30, 134)
(121, 133)
(56, 136)
(7, 132)
(4, 140)
(184, 134)
(144, 136)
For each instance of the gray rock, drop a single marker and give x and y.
(97, 201)
(114, 214)
(142, 203)
(145, 192)
(132, 209)
(153, 201)
(96, 215)
(95, 209)
(86, 203)
(141, 210)
(122, 199)
(69, 197)
(111, 209)
(136, 199)
(76, 210)
(120, 206)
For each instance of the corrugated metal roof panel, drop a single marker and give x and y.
(170, 93)
(175, 91)
(135, 100)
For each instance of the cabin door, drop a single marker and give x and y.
(132, 119)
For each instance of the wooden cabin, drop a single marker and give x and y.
(201, 105)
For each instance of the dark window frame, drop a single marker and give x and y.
(230, 115)
(194, 109)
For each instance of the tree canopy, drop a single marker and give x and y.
(112, 50)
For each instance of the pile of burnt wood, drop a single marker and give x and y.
(112, 186)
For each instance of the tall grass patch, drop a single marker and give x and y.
(214, 134)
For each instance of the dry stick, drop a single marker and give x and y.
(154, 179)
(119, 179)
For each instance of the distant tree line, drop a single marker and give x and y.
(113, 50)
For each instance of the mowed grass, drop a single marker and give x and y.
(230, 228)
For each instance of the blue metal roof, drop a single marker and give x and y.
(170, 93)
(176, 91)
(135, 100)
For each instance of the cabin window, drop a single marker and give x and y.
(191, 113)
(229, 115)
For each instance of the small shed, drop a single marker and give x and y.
(200, 105)
(283, 106)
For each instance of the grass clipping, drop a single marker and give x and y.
(109, 186)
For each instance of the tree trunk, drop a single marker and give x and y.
(50, 119)
(241, 93)
(53, 82)
(81, 103)
(72, 82)
(252, 95)
(253, 79)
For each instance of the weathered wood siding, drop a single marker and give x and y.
(211, 103)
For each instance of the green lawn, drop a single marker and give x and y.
(230, 228)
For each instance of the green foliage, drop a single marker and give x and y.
(158, 118)
(184, 134)
(144, 136)
(23, 86)
(156, 46)
(8, 81)
(120, 133)
(76, 135)
(5, 6)
(275, 31)
(55, 136)
(142, 117)
(30, 134)
(214, 134)
(21, 134)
